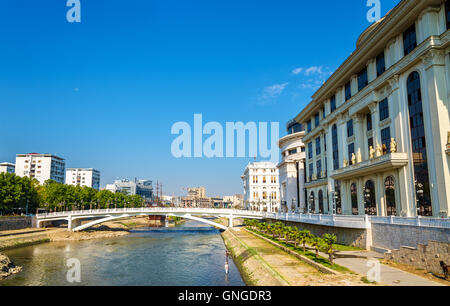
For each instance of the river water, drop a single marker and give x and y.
(189, 255)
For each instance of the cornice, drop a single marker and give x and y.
(388, 30)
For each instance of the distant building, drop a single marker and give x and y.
(143, 188)
(198, 192)
(41, 167)
(234, 201)
(261, 187)
(111, 187)
(197, 198)
(292, 169)
(7, 168)
(83, 177)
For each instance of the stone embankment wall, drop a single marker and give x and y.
(15, 223)
(426, 257)
(253, 271)
(392, 237)
(346, 236)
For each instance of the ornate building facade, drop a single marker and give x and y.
(377, 130)
(292, 169)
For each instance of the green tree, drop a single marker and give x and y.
(329, 240)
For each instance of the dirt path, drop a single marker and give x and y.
(293, 271)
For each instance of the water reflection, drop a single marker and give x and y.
(180, 257)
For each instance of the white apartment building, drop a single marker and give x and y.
(261, 187)
(378, 129)
(41, 167)
(292, 169)
(7, 168)
(83, 177)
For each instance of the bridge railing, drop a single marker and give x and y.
(161, 210)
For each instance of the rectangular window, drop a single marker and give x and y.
(325, 142)
(351, 151)
(309, 126)
(447, 13)
(384, 109)
(348, 91)
(362, 79)
(318, 149)
(311, 169)
(386, 140)
(369, 122)
(381, 65)
(350, 128)
(334, 141)
(333, 103)
(316, 120)
(323, 112)
(310, 150)
(319, 168)
(409, 40)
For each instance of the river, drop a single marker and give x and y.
(188, 255)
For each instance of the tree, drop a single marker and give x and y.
(316, 242)
(304, 237)
(329, 240)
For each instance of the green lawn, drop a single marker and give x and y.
(319, 259)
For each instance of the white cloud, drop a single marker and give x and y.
(272, 92)
(297, 71)
(314, 70)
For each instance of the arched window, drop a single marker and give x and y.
(419, 146)
(320, 202)
(337, 197)
(312, 206)
(370, 204)
(389, 189)
(354, 195)
(335, 147)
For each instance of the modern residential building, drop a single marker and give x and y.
(83, 177)
(377, 130)
(292, 169)
(110, 187)
(41, 167)
(143, 188)
(261, 187)
(7, 168)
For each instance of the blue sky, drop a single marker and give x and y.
(104, 93)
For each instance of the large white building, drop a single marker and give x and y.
(261, 187)
(292, 169)
(7, 168)
(377, 130)
(41, 167)
(83, 177)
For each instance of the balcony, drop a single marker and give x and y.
(378, 164)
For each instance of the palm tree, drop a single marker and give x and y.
(292, 234)
(329, 240)
(316, 242)
(304, 237)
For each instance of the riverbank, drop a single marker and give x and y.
(263, 264)
(7, 268)
(30, 236)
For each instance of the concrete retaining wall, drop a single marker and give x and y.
(426, 257)
(392, 237)
(15, 223)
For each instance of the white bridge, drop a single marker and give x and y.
(75, 218)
